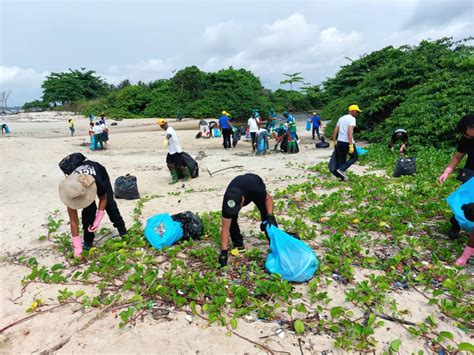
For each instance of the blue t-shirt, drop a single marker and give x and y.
(290, 120)
(316, 121)
(224, 122)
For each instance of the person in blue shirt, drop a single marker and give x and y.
(289, 118)
(316, 121)
(226, 129)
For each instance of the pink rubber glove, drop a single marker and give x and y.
(445, 175)
(468, 252)
(77, 246)
(98, 218)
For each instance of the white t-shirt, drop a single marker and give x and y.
(253, 125)
(173, 141)
(97, 129)
(344, 122)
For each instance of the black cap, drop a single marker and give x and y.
(232, 201)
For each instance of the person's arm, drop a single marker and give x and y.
(269, 204)
(225, 233)
(451, 166)
(350, 133)
(74, 221)
(168, 136)
(335, 133)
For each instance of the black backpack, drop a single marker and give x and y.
(192, 165)
(126, 187)
(192, 224)
(71, 162)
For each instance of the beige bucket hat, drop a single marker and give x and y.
(78, 191)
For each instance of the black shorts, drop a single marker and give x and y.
(253, 135)
(175, 159)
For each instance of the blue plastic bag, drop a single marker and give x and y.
(462, 196)
(361, 151)
(161, 231)
(7, 129)
(291, 258)
(216, 133)
(308, 125)
(92, 145)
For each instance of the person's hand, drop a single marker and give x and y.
(334, 142)
(445, 175)
(351, 148)
(223, 258)
(98, 218)
(271, 220)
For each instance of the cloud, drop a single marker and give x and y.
(24, 83)
(287, 45)
(439, 13)
(145, 70)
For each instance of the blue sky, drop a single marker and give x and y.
(147, 40)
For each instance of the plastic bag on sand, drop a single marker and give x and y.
(332, 165)
(405, 166)
(291, 258)
(126, 187)
(161, 231)
(462, 196)
(361, 151)
(308, 125)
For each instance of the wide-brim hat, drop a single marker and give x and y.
(78, 191)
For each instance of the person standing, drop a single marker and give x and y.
(98, 137)
(253, 129)
(241, 191)
(226, 129)
(399, 135)
(86, 179)
(174, 158)
(343, 136)
(71, 126)
(465, 147)
(316, 122)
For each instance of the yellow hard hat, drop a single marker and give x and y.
(161, 121)
(314, 113)
(354, 108)
(224, 113)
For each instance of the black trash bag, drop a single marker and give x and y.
(126, 187)
(236, 137)
(284, 144)
(191, 164)
(322, 145)
(71, 162)
(465, 174)
(333, 163)
(199, 135)
(405, 166)
(192, 224)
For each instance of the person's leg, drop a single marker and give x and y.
(342, 148)
(254, 140)
(468, 251)
(88, 216)
(453, 232)
(312, 133)
(352, 159)
(96, 141)
(113, 212)
(237, 239)
(317, 132)
(172, 168)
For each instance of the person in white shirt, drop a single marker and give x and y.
(253, 129)
(98, 138)
(174, 159)
(344, 133)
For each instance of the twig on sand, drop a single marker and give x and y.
(393, 319)
(29, 317)
(299, 343)
(217, 171)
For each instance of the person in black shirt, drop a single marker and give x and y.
(465, 147)
(78, 191)
(399, 135)
(241, 191)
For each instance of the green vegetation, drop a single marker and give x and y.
(371, 253)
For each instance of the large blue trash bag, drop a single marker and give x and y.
(92, 145)
(462, 196)
(161, 231)
(291, 258)
(308, 125)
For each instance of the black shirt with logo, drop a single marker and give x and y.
(253, 189)
(466, 146)
(102, 180)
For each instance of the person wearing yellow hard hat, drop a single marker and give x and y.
(174, 158)
(226, 129)
(343, 136)
(317, 124)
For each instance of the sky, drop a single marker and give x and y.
(148, 40)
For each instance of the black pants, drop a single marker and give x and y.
(316, 129)
(235, 235)
(226, 133)
(253, 136)
(342, 150)
(88, 216)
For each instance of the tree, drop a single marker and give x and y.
(292, 78)
(73, 85)
(4, 98)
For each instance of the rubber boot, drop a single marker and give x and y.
(174, 177)
(186, 173)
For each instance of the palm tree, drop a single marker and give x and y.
(292, 78)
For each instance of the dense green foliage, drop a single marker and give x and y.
(73, 85)
(424, 89)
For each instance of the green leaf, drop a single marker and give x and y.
(301, 308)
(466, 347)
(233, 323)
(298, 325)
(448, 335)
(395, 345)
(336, 311)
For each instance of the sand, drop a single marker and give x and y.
(29, 189)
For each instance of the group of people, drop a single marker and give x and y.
(98, 132)
(86, 179)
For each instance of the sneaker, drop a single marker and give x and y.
(342, 174)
